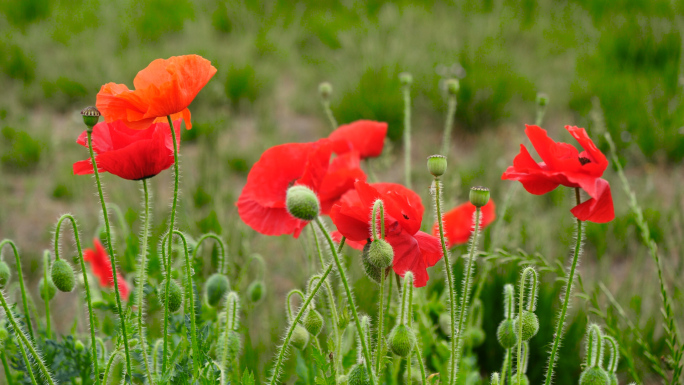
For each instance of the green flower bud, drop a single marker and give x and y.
(542, 99)
(300, 337)
(313, 322)
(215, 288)
(506, 335)
(380, 254)
(78, 345)
(453, 86)
(175, 295)
(437, 165)
(91, 116)
(5, 274)
(474, 337)
(302, 203)
(373, 272)
(402, 339)
(255, 291)
(479, 196)
(530, 325)
(445, 323)
(47, 292)
(325, 89)
(63, 276)
(594, 376)
(358, 375)
(133, 342)
(405, 78)
(523, 381)
(341, 380)
(174, 274)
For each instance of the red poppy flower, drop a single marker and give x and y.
(564, 165)
(129, 154)
(102, 268)
(343, 172)
(262, 202)
(365, 136)
(414, 250)
(459, 224)
(165, 87)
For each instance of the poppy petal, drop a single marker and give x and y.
(599, 209)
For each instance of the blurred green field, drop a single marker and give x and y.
(616, 62)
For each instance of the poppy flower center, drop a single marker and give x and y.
(405, 216)
(584, 160)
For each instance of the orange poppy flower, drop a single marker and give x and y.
(165, 87)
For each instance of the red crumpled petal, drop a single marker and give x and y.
(598, 210)
(458, 222)
(367, 137)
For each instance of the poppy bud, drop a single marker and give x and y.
(358, 375)
(216, 287)
(495, 379)
(175, 295)
(325, 89)
(133, 342)
(445, 323)
(530, 324)
(479, 196)
(402, 339)
(91, 116)
(300, 337)
(405, 78)
(594, 375)
(380, 254)
(373, 272)
(47, 292)
(255, 291)
(523, 381)
(313, 322)
(343, 319)
(175, 274)
(452, 86)
(474, 337)
(302, 203)
(613, 378)
(505, 334)
(5, 274)
(542, 99)
(78, 345)
(437, 165)
(63, 275)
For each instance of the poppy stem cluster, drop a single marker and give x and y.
(142, 277)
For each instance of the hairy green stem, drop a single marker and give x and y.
(5, 365)
(110, 363)
(329, 114)
(24, 301)
(449, 123)
(379, 206)
(407, 134)
(222, 250)
(142, 279)
(521, 296)
(46, 267)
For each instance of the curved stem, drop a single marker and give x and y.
(566, 300)
(142, 279)
(448, 125)
(289, 303)
(110, 249)
(24, 301)
(329, 114)
(350, 299)
(419, 357)
(46, 299)
(379, 348)
(222, 252)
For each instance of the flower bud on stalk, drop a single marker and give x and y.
(402, 340)
(5, 274)
(325, 89)
(506, 335)
(302, 203)
(452, 86)
(373, 272)
(63, 276)
(175, 295)
(313, 322)
(380, 254)
(479, 196)
(530, 324)
(300, 337)
(358, 375)
(47, 292)
(255, 291)
(437, 165)
(216, 288)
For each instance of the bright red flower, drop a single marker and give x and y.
(262, 202)
(102, 268)
(414, 250)
(365, 136)
(459, 224)
(343, 172)
(165, 87)
(129, 154)
(564, 165)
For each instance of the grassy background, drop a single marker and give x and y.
(620, 57)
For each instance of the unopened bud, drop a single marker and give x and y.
(479, 196)
(313, 322)
(530, 324)
(358, 375)
(405, 78)
(373, 272)
(255, 291)
(216, 287)
(91, 116)
(47, 292)
(78, 345)
(594, 375)
(380, 254)
(437, 165)
(402, 339)
(5, 274)
(300, 337)
(453, 86)
(506, 335)
(63, 276)
(542, 99)
(325, 89)
(175, 295)
(302, 203)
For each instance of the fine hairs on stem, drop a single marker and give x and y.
(142, 279)
(24, 300)
(528, 274)
(378, 220)
(46, 298)
(230, 338)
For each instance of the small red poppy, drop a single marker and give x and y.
(365, 136)
(414, 250)
(102, 268)
(564, 165)
(261, 204)
(129, 154)
(343, 172)
(459, 224)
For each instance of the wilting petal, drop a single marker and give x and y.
(598, 210)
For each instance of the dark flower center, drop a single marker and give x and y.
(584, 160)
(405, 216)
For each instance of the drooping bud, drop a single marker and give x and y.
(474, 336)
(215, 288)
(300, 337)
(380, 254)
(47, 292)
(302, 203)
(453, 86)
(313, 322)
(255, 291)
(506, 335)
(437, 165)
(373, 272)
(542, 99)
(402, 339)
(175, 295)
(91, 116)
(5, 274)
(325, 89)
(594, 375)
(530, 324)
(358, 375)
(78, 345)
(405, 78)
(479, 196)
(63, 276)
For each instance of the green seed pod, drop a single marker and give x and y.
(380, 254)
(506, 335)
(594, 376)
(175, 295)
(530, 325)
(216, 288)
(406, 78)
(445, 323)
(63, 276)
(402, 339)
(474, 337)
(373, 272)
(479, 196)
(91, 116)
(78, 345)
(47, 293)
(313, 322)
(325, 89)
(453, 86)
(358, 375)
(542, 99)
(5, 274)
(300, 337)
(437, 165)
(523, 381)
(302, 203)
(255, 291)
